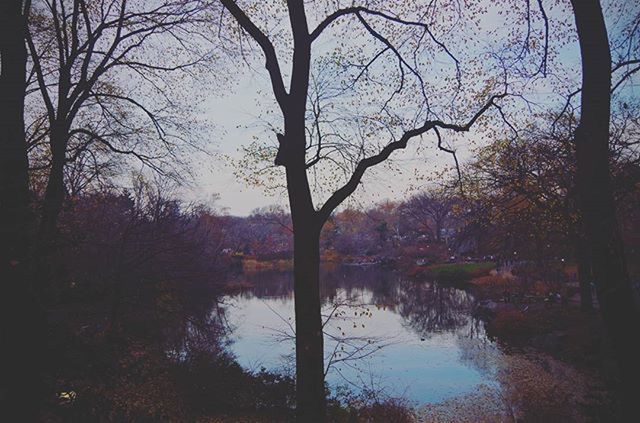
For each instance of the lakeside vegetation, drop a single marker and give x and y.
(162, 297)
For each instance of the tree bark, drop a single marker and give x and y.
(14, 179)
(310, 393)
(615, 295)
(584, 273)
(21, 323)
(54, 193)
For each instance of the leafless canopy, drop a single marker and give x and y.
(101, 75)
(379, 77)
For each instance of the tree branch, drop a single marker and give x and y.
(272, 65)
(359, 10)
(341, 194)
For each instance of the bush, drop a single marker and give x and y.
(218, 384)
(389, 410)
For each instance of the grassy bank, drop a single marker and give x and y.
(453, 272)
(253, 265)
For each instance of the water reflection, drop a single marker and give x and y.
(383, 332)
(431, 308)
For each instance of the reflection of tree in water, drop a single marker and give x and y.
(479, 352)
(269, 284)
(429, 307)
(352, 280)
(380, 285)
(199, 327)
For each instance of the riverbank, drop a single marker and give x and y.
(452, 272)
(521, 316)
(558, 355)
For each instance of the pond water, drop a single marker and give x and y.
(384, 333)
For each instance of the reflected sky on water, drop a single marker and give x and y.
(384, 332)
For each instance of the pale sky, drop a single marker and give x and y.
(236, 118)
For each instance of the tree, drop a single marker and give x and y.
(615, 295)
(21, 384)
(14, 187)
(430, 211)
(529, 182)
(402, 49)
(86, 56)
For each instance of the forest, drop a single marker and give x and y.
(319, 211)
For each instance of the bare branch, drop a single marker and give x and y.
(272, 65)
(359, 10)
(455, 158)
(341, 194)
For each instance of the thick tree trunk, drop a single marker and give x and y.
(615, 296)
(584, 274)
(54, 193)
(14, 179)
(21, 323)
(310, 394)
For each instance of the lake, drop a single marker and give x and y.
(384, 333)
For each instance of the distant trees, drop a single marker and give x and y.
(269, 232)
(431, 212)
(354, 233)
(265, 234)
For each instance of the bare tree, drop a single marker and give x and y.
(343, 125)
(90, 61)
(430, 211)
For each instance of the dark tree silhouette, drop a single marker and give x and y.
(83, 55)
(14, 186)
(20, 386)
(615, 296)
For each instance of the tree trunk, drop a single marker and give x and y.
(310, 393)
(54, 193)
(584, 273)
(14, 166)
(615, 295)
(21, 321)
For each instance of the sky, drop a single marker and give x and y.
(236, 120)
(236, 115)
